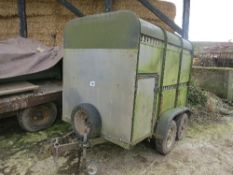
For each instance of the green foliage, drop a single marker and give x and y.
(196, 96)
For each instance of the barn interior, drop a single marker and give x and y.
(36, 27)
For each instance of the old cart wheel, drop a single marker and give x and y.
(38, 117)
(166, 144)
(86, 120)
(182, 125)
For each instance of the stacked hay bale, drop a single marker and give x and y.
(41, 20)
(134, 5)
(9, 22)
(46, 18)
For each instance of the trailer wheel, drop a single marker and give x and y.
(166, 144)
(182, 125)
(38, 117)
(86, 120)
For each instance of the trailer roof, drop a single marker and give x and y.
(158, 33)
(122, 27)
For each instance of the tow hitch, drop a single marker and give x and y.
(69, 142)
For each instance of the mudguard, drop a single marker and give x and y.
(164, 120)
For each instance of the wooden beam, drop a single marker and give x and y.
(186, 14)
(48, 91)
(108, 5)
(15, 88)
(71, 8)
(22, 18)
(161, 15)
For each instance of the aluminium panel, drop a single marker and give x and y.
(150, 58)
(104, 78)
(185, 66)
(151, 30)
(143, 111)
(168, 100)
(230, 85)
(171, 65)
(182, 96)
(173, 39)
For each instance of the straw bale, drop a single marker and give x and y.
(88, 7)
(9, 27)
(42, 28)
(8, 8)
(41, 7)
(8, 35)
(60, 25)
(9, 24)
(48, 29)
(46, 19)
(41, 24)
(61, 22)
(33, 7)
(168, 8)
(45, 38)
(159, 23)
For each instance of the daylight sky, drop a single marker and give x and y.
(210, 20)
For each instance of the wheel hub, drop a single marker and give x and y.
(81, 123)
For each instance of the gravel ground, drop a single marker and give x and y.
(207, 150)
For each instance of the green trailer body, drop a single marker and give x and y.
(133, 72)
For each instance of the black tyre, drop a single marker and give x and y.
(182, 125)
(166, 144)
(38, 117)
(86, 120)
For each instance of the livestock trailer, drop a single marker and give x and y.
(125, 80)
